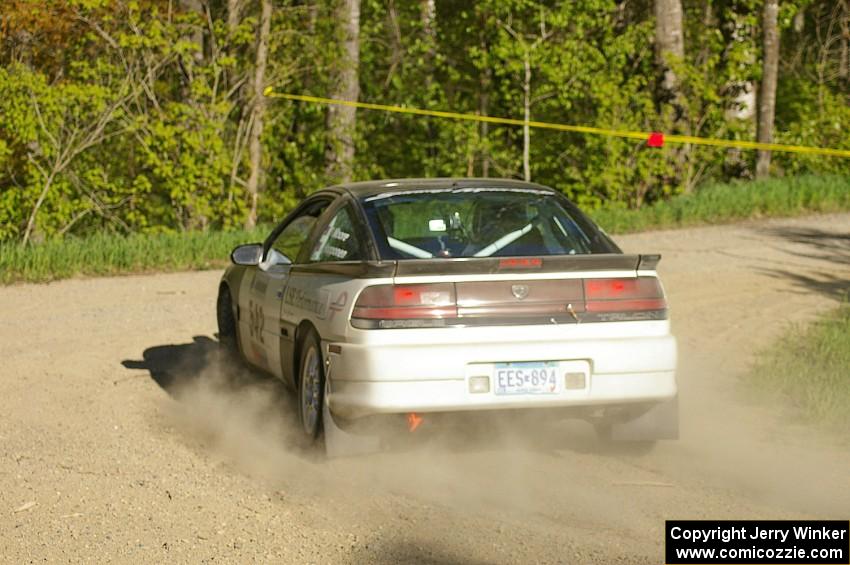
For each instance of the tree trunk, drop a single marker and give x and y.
(484, 132)
(767, 92)
(526, 130)
(341, 120)
(844, 61)
(234, 8)
(31, 225)
(669, 45)
(670, 48)
(428, 19)
(255, 149)
(428, 15)
(740, 95)
(197, 36)
(484, 86)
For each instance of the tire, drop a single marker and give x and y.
(226, 321)
(311, 387)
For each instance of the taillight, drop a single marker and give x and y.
(509, 302)
(624, 295)
(388, 302)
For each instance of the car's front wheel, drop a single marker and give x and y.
(226, 320)
(311, 386)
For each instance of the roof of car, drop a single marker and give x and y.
(374, 187)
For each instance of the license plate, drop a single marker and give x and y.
(535, 377)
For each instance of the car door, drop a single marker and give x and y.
(319, 285)
(263, 292)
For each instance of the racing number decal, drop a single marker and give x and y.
(256, 320)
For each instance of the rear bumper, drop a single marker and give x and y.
(412, 375)
(354, 399)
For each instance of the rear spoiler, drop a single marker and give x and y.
(550, 264)
(648, 262)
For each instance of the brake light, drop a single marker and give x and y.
(624, 295)
(406, 302)
(521, 263)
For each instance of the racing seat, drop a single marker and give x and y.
(493, 220)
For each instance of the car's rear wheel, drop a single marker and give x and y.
(311, 386)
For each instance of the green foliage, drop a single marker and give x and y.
(109, 254)
(132, 116)
(728, 202)
(807, 370)
(45, 127)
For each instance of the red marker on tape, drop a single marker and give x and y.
(656, 139)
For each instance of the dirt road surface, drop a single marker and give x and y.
(121, 442)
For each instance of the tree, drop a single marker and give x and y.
(52, 127)
(193, 144)
(525, 33)
(234, 9)
(670, 50)
(341, 120)
(197, 33)
(37, 34)
(529, 46)
(767, 92)
(670, 54)
(255, 149)
(736, 71)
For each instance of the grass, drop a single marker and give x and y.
(108, 254)
(809, 369)
(729, 202)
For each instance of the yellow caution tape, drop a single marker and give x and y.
(684, 139)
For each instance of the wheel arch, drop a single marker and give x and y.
(231, 281)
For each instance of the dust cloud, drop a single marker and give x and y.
(526, 468)
(754, 447)
(480, 465)
(241, 417)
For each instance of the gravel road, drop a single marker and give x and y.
(123, 438)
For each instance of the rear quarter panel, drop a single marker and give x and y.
(322, 296)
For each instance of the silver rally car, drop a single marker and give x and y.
(401, 300)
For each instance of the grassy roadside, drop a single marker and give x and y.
(729, 202)
(109, 254)
(808, 369)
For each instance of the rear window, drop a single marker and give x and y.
(479, 222)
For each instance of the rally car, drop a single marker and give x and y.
(404, 300)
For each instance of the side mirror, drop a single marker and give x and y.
(275, 261)
(247, 255)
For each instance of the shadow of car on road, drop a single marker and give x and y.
(424, 552)
(175, 366)
(218, 389)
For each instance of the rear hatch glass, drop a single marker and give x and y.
(480, 223)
